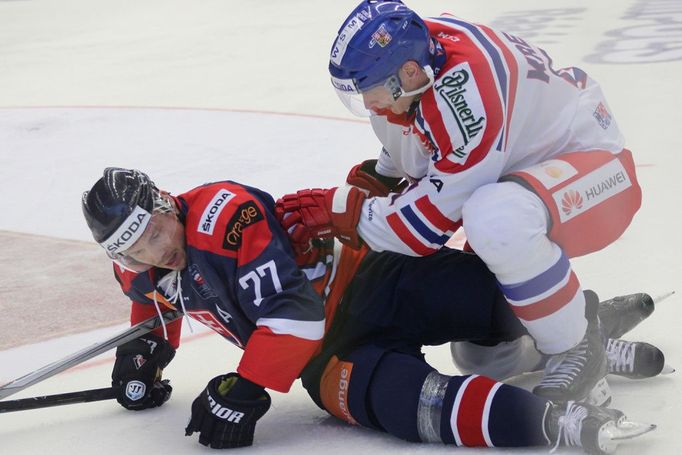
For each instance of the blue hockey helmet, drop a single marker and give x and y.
(373, 43)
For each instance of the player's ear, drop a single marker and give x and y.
(409, 72)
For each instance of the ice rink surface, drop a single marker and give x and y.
(192, 92)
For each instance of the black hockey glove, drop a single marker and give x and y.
(137, 372)
(226, 412)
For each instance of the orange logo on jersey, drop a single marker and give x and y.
(334, 388)
(246, 214)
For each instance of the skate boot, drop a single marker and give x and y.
(635, 359)
(597, 430)
(621, 314)
(579, 373)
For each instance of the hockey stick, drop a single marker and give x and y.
(46, 401)
(81, 356)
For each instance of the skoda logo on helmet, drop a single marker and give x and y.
(129, 231)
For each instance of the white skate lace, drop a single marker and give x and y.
(570, 425)
(621, 356)
(562, 369)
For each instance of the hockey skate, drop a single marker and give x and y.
(597, 430)
(621, 314)
(635, 359)
(579, 374)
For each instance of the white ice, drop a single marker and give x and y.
(193, 92)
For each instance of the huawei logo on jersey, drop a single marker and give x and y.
(570, 201)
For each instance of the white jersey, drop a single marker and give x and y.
(497, 106)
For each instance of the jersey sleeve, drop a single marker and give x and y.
(270, 290)
(422, 219)
(278, 297)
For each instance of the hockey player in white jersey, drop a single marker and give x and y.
(490, 135)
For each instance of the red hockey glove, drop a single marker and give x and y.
(319, 213)
(365, 177)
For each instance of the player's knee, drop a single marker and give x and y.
(400, 397)
(376, 388)
(344, 385)
(503, 220)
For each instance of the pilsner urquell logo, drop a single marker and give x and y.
(571, 200)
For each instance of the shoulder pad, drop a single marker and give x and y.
(217, 216)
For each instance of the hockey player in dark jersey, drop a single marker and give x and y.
(349, 322)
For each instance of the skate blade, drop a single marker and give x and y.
(627, 429)
(613, 433)
(600, 395)
(667, 369)
(659, 298)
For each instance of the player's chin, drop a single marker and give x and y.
(177, 261)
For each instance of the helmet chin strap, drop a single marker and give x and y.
(400, 93)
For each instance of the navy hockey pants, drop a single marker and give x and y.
(371, 371)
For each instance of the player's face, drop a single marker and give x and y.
(162, 244)
(379, 99)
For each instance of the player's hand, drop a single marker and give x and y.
(137, 372)
(226, 412)
(318, 213)
(365, 177)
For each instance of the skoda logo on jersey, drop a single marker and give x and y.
(129, 232)
(135, 390)
(199, 285)
(207, 220)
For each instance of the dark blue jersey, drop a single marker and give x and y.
(241, 280)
